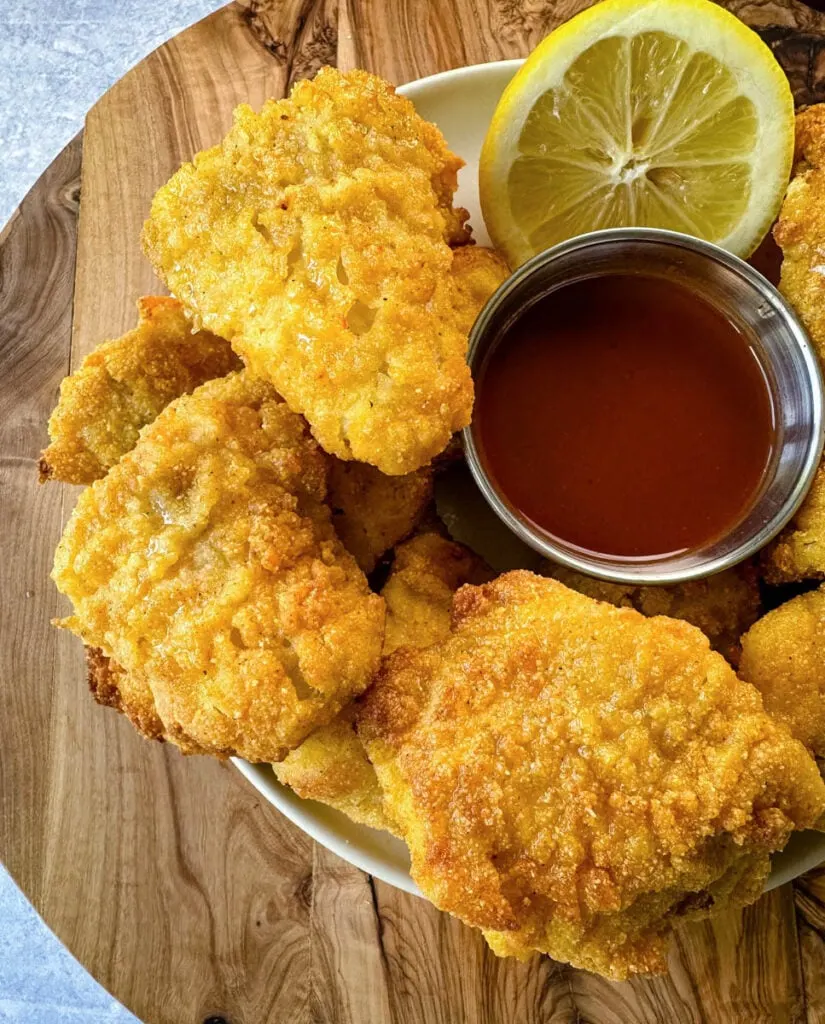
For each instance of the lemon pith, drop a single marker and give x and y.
(662, 113)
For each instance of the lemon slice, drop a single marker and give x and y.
(657, 113)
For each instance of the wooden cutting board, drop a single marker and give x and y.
(170, 879)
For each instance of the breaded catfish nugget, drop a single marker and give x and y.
(130, 695)
(205, 566)
(477, 272)
(332, 765)
(427, 571)
(722, 606)
(783, 655)
(800, 230)
(576, 778)
(123, 385)
(316, 238)
(371, 511)
(799, 551)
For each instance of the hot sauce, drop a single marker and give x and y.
(625, 415)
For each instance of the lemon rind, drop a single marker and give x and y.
(730, 41)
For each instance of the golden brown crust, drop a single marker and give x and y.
(799, 551)
(577, 778)
(477, 271)
(331, 765)
(206, 566)
(322, 251)
(426, 573)
(114, 688)
(372, 512)
(111, 688)
(123, 385)
(783, 655)
(102, 677)
(722, 606)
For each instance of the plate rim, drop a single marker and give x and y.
(461, 72)
(262, 777)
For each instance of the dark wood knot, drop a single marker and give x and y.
(254, 13)
(303, 890)
(802, 56)
(69, 196)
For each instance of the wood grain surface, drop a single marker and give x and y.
(171, 879)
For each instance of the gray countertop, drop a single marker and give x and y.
(56, 58)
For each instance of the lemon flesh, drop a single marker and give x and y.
(659, 113)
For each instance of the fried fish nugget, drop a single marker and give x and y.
(427, 571)
(113, 688)
(783, 656)
(477, 271)
(372, 512)
(799, 551)
(316, 237)
(332, 765)
(123, 385)
(576, 778)
(722, 606)
(206, 567)
(800, 229)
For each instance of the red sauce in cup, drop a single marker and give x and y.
(625, 415)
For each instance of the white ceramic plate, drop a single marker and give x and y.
(461, 103)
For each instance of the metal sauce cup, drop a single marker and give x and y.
(748, 301)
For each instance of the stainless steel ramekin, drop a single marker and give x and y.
(750, 302)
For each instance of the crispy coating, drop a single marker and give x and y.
(129, 694)
(372, 512)
(332, 765)
(205, 565)
(123, 385)
(577, 778)
(316, 237)
(783, 656)
(722, 606)
(477, 272)
(799, 551)
(800, 230)
(113, 688)
(427, 571)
